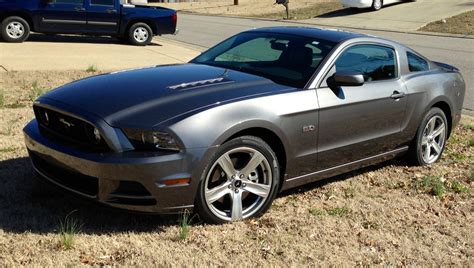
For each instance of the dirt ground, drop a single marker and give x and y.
(389, 214)
(251, 8)
(460, 24)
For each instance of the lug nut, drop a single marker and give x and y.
(233, 177)
(244, 184)
(230, 186)
(242, 176)
(236, 191)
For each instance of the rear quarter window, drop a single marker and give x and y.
(416, 63)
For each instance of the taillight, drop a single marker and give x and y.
(175, 19)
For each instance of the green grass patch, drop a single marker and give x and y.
(68, 229)
(471, 142)
(36, 91)
(2, 98)
(349, 192)
(338, 212)
(468, 126)
(433, 185)
(184, 225)
(458, 187)
(316, 212)
(91, 69)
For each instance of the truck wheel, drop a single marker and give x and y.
(140, 34)
(15, 30)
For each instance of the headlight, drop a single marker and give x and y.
(146, 140)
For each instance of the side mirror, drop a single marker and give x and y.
(347, 78)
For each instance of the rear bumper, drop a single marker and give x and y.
(130, 180)
(357, 3)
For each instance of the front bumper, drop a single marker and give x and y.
(127, 180)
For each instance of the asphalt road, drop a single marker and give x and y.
(206, 31)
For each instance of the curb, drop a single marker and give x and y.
(436, 34)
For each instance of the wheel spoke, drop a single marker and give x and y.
(431, 126)
(424, 140)
(427, 153)
(217, 192)
(253, 163)
(436, 147)
(226, 165)
(438, 131)
(236, 210)
(259, 189)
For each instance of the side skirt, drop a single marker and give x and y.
(330, 172)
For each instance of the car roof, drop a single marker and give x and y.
(332, 35)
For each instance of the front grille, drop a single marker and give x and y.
(66, 177)
(68, 130)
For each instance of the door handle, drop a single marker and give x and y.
(396, 95)
(111, 11)
(79, 9)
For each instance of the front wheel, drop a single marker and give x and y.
(430, 139)
(14, 30)
(140, 34)
(240, 181)
(377, 5)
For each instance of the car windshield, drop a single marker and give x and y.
(283, 58)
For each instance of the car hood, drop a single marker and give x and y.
(147, 97)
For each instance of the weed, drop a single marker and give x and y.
(68, 229)
(184, 225)
(7, 150)
(339, 212)
(433, 185)
(468, 127)
(36, 91)
(458, 187)
(349, 192)
(2, 98)
(9, 129)
(316, 212)
(91, 69)
(371, 225)
(471, 142)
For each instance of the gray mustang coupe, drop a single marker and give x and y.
(264, 111)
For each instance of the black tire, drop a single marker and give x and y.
(416, 155)
(377, 5)
(17, 34)
(139, 39)
(207, 213)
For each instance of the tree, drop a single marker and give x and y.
(236, 2)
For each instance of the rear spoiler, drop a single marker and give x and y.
(446, 66)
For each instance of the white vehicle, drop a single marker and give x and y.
(374, 4)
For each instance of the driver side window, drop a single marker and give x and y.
(374, 62)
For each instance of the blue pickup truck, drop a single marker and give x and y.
(136, 23)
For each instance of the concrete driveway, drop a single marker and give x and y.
(405, 16)
(42, 52)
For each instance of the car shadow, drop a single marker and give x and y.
(59, 38)
(351, 11)
(29, 204)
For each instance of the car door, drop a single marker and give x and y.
(363, 121)
(62, 16)
(103, 16)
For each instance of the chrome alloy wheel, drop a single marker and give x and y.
(238, 184)
(377, 4)
(433, 139)
(15, 30)
(141, 34)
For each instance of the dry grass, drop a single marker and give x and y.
(387, 214)
(299, 9)
(460, 24)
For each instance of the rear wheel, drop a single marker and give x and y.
(15, 30)
(377, 4)
(430, 139)
(140, 34)
(240, 181)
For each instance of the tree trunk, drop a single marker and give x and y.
(236, 2)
